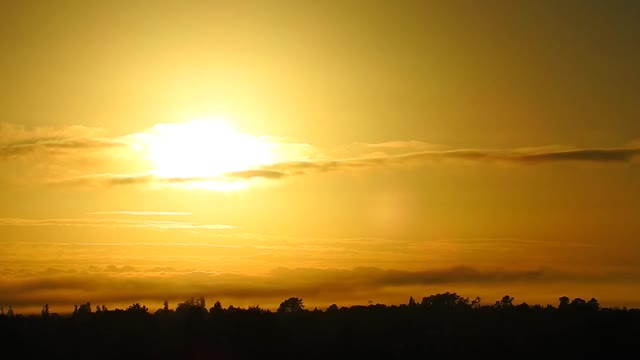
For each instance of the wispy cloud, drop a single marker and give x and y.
(11, 133)
(292, 168)
(283, 169)
(51, 145)
(140, 213)
(122, 164)
(123, 223)
(17, 141)
(259, 173)
(261, 251)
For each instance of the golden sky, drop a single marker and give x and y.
(338, 151)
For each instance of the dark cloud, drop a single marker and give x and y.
(588, 155)
(125, 284)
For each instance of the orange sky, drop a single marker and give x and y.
(342, 152)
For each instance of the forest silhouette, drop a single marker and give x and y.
(444, 324)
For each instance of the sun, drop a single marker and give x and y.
(203, 150)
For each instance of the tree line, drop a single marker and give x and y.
(435, 325)
(442, 301)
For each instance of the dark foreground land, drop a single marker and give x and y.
(440, 325)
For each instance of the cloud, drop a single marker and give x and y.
(421, 158)
(127, 284)
(18, 141)
(140, 213)
(162, 269)
(123, 269)
(10, 132)
(33, 154)
(122, 223)
(18, 149)
(588, 155)
(235, 251)
(120, 160)
(402, 145)
(249, 174)
(107, 179)
(285, 169)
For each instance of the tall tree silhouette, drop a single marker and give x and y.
(216, 308)
(475, 303)
(45, 311)
(505, 302)
(564, 302)
(291, 305)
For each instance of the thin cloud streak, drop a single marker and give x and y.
(589, 155)
(122, 223)
(283, 169)
(139, 244)
(140, 213)
(53, 145)
(292, 168)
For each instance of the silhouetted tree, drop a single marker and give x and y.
(594, 304)
(84, 309)
(10, 312)
(412, 302)
(445, 301)
(292, 304)
(332, 308)
(217, 308)
(192, 307)
(186, 305)
(475, 303)
(578, 303)
(137, 308)
(45, 311)
(257, 309)
(505, 302)
(165, 306)
(564, 302)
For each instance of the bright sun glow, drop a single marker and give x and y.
(204, 151)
